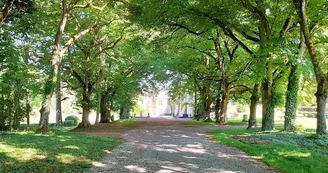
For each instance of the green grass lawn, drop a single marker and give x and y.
(125, 123)
(231, 121)
(200, 123)
(292, 153)
(55, 151)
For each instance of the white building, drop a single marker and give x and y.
(161, 105)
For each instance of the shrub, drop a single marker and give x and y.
(68, 123)
(73, 118)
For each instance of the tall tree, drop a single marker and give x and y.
(57, 53)
(321, 77)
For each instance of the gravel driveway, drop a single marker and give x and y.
(164, 149)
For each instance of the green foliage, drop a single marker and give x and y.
(69, 123)
(75, 120)
(241, 108)
(55, 151)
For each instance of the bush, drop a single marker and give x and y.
(68, 123)
(73, 118)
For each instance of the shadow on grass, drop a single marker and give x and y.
(51, 152)
(280, 152)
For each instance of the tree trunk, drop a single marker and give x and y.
(267, 107)
(85, 110)
(224, 103)
(207, 103)
(45, 108)
(178, 112)
(321, 96)
(292, 91)
(104, 109)
(86, 101)
(16, 120)
(28, 109)
(195, 101)
(111, 111)
(101, 74)
(291, 99)
(59, 117)
(217, 109)
(122, 113)
(2, 111)
(252, 110)
(98, 108)
(9, 111)
(218, 104)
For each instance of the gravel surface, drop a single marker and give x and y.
(164, 149)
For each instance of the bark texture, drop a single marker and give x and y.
(28, 109)
(59, 118)
(224, 103)
(291, 99)
(292, 91)
(267, 108)
(254, 101)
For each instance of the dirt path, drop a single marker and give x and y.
(164, 146)
(117, 131)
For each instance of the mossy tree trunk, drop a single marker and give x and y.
(267, 107)
(28, 108)
(291, 99)
(292, 91)
(252, 110)
(106, 105)
(217, 109)
(86, 102)
(45, 108)
(2, 111)
(224, 103)
(104, 109)
(111, 111)
(17, 114)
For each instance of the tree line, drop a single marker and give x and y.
(231, 49)
(104, 51)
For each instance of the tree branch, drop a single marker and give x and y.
(76, 75)
(201, 51)
(187, 29)
(76, 37)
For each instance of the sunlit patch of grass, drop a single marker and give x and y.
(200, 123)
(293, 154)
(54, 151)
(287, 152)
(125, 122)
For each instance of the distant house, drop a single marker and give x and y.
(162, 105)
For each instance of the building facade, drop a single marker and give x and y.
(162, 105)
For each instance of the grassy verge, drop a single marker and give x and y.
(231, 121)
(200, 123)
(125, 123)
(55, 151)
(292, 153)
